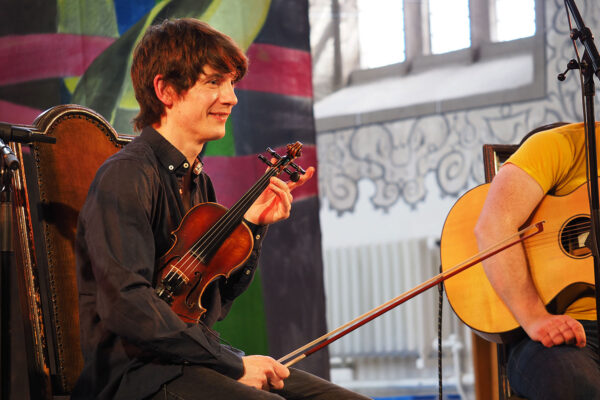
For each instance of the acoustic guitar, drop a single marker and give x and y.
(560, 264)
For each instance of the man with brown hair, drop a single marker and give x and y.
(134, 345)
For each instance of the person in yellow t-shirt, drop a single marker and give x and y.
(558, 358)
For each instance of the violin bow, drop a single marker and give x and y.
(359, 321)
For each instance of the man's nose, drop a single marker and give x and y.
(228, 94)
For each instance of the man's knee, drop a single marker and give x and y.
(553, 373)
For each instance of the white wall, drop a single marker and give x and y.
(367, 225)
(399, 179)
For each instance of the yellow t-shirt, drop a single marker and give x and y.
(556, 160)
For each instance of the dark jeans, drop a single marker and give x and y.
(558, 373)
(207, 384)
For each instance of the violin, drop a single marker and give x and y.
(212, 241)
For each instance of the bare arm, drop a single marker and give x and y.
(512, 197)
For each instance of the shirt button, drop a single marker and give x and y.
(247, 271)
(171, 168)
(257, 237)
(186, 165)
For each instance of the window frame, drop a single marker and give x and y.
(418, 59)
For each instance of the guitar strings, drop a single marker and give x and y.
(549, 238)
(571, 234)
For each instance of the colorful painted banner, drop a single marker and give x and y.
(79, 51)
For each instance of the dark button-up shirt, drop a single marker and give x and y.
(131, 340)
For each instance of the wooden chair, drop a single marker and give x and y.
(49, 190)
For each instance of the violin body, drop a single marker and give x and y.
(212, 241)
(186, 273)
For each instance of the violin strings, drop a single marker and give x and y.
(214, 236)
(204, 245)
(232, 219)
(207, 242)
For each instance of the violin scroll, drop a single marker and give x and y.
(294, 150)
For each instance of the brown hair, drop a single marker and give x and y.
(178, 50)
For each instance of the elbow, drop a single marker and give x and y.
(493, 228)
(480, 230)
(487, 230)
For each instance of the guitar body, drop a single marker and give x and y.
(560, 265)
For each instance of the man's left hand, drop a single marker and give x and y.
(275, 203)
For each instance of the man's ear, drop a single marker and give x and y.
(164, 91)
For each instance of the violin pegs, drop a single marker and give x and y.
(298, 168)
(273, 153)
(294, 175)
(264, 159)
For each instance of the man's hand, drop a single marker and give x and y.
(552, 330)
(263, 373)
(275, 203)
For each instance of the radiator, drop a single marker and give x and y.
(359, 278)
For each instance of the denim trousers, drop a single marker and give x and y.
(204, 383)
(559, 373)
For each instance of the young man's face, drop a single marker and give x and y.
(204, 108)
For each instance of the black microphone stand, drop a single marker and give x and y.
(8, 164)
(589, 67)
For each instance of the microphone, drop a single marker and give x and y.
(19, 134)
(585, 36)
(10, 160)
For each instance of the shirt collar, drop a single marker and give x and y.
(168, 155)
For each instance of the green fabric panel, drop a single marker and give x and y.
(224, 146)
(240, 19)
(245, 327)
(100, 86)
(87, 17)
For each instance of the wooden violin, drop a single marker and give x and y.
(212, 241)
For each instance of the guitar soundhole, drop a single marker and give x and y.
(573, 236)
